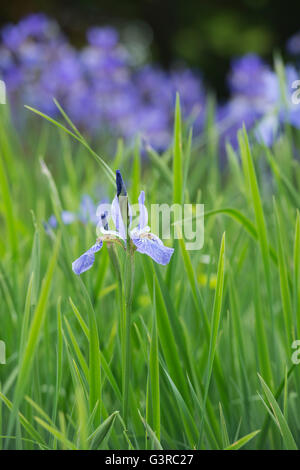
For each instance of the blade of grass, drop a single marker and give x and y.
(284, 429)
(243, 441)
(109, 173)
(177, 155)
(34, 334)
(284, 285)
(97, 437)
(154, 372)
(261, 227)
(215, 323)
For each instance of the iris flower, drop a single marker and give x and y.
(85, 214)
(140, 238)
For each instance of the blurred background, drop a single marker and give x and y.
(203, 34)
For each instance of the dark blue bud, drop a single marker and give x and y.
(121, 188)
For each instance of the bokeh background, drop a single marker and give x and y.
(205, 34)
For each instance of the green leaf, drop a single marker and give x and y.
(280, 420)
(154, 372)
(225, 437)
(102, 431)
(156, 443)
(56, 433)
(284, 285)
(109, 173)
(177, 156)
(26, 361)
(243, 441)
(250, 177)
(215, 323)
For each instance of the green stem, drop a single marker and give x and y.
(126, 349)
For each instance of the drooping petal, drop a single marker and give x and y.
(154, 248)
(86, 261)
(143, 211)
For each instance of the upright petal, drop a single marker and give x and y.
(143, 211)
(154, 248)
(86, 261)
(117, 218)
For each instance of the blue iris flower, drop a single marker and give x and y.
(284, 111)
(293, 44)
(85, 214)
(141, 238)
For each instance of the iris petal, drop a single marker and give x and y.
(117, 218)
(143, 211)
(154, 248)
(86, 261)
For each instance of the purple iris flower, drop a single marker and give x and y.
(291, 113)
(192, 96)
(98, 86)
(146, 242)
(37, 25)
(293, 44)
(255, 93)
(105, 37)
(67, 218)
(87, 213)
(88, 210)
(142, 239)
(156, 92)
(248, 76)
(284, 111)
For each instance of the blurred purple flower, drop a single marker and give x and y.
(293, 44)
(87, 213)
(97, 86)
(255, 93)
(105, 37)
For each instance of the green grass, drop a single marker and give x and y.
(198, 355)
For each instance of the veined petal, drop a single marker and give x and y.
(152, 246)
(143, 211)
(86, 261)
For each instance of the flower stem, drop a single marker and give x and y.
(126, 350)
